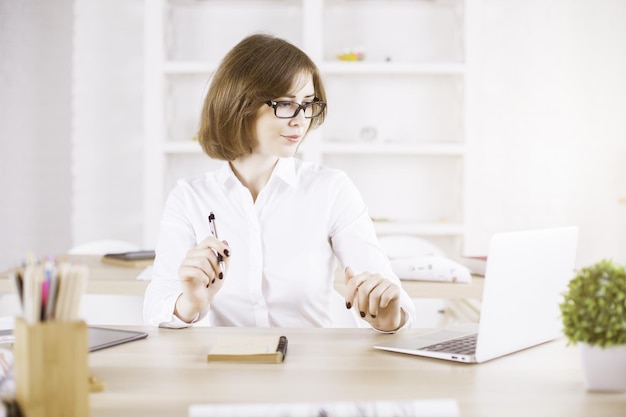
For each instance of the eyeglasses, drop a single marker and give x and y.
(290, 109)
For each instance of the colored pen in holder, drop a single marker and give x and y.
(50, 346)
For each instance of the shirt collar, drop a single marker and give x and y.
(225, 174)
(285, 169)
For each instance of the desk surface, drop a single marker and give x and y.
(167, 372)
(112, 279)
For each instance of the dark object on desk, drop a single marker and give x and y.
(10, 408)
(268, 349)
(98, 337)
(104, 337)
(141, 258)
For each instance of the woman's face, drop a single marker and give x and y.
(280, 137)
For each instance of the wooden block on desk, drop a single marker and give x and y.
(51, 369)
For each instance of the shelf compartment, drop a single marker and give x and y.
(205, 31)
(407, 189)
(403, 109)
(434, 28)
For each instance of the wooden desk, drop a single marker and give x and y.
(112, 279)
(165, 373)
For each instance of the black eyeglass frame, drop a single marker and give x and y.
(274, 104)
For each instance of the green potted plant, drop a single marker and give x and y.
(593, 313)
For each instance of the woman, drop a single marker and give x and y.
(284, 221)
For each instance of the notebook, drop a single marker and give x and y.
(525, 277)
(98, 337)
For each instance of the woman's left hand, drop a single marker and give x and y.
(376, 298)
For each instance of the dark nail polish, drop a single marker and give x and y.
(226, 252)
(362, 314)
(348, 305)
(373, 316)
(213, 281)
(221, 275)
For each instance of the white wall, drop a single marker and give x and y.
(547, 133)
(35, 106)
(70, 124)
(107, 137)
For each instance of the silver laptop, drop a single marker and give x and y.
(526, 274)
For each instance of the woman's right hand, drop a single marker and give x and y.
(201, 277)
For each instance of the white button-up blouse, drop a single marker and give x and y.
(283, 247)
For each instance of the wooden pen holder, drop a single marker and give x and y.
(51, 369)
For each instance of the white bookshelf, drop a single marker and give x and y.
(395, 122)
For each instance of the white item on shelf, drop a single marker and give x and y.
(430, 268)
(414, 258)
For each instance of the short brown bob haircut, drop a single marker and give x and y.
(259, 68)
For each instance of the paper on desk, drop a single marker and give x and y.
(145, 274)
(412, 408)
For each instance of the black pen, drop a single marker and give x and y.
(281, 349)
(220, 258)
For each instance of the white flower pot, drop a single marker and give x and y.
(604, 369)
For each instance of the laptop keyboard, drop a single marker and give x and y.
(465, 345)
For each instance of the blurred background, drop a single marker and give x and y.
(461, 119)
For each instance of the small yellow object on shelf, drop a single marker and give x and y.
(351, 55)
